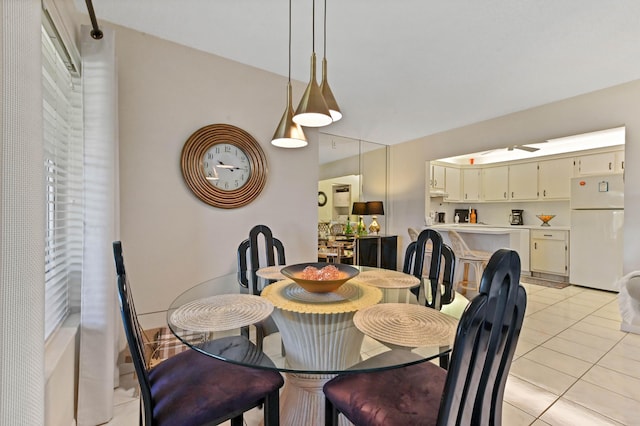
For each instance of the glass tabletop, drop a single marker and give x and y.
(315, 334)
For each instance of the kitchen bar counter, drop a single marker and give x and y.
(492, 237)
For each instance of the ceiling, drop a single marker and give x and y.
(409, 68)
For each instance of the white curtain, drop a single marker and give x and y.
(99, 323)
(21, 215)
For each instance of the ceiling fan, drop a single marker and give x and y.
(512, 147)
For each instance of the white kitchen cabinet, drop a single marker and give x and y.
(437, 177)
(619, 164)
(523, 181)
(554, 178)
(595, 164)
(549, 252)
(495, 183)
(471, 184)
(452, 184)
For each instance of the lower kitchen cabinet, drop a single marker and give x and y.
(549, 251)
(367, 251)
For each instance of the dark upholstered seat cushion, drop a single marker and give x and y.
(191, 388)
(403, 396)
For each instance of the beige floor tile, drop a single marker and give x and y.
(588, 339)
(569, 310)
(567, 347)
(513, 416)
(548, 327)
(608, 313)
(615, 382)
(602, 322)
(621, 364)
(597, 330)
(523, 347)
(632, 339)
(604, 402)
(533, 307)
(543, 298)
(125, 414)
(559, 321)
(559, 361)
(626, 350)
(542, 376)
(540, 423)
(567, 413)
(534, 336)
(527, 397)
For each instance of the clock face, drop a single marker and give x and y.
(226, 167)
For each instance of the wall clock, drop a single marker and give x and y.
(322, 198)
(224, 166)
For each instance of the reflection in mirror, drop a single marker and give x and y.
(351, 170)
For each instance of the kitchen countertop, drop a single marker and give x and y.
(493, 229)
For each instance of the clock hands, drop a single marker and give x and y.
(227, 166)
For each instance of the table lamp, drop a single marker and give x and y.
(360, 208)
(375, 208)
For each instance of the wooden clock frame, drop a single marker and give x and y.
(191, 163)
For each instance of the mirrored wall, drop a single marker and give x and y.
(350, 170)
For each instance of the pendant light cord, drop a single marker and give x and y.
(324, 43)
(289, 41)
(313, 26)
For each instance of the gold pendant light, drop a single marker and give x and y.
(327, 94)
(289, 134)
(313, 110)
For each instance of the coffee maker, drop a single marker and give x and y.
(516, 217)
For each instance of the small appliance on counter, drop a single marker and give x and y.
(442, 217)
(463, 215)
(516, 217)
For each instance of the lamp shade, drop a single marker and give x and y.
(375, 207)
(288, 134)
(359, 208)
(312, 110)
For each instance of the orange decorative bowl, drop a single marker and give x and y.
(545, 218)
(313, 282)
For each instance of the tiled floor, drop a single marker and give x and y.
(573, 365)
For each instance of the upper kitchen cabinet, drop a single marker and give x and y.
(495, 183)
(595, 164)
(471, 179)
(619, 164)
(437, 180)
(554, 178)
(452, 184)
(523, 181)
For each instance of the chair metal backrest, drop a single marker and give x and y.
(485, 343)
(134, 334)
(249, 255)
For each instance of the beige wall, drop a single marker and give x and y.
(598, 110)
(171, 239)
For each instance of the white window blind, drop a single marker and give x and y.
(63, 165)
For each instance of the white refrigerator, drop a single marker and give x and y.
(597, 216)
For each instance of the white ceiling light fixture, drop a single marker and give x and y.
(327, 94)
(313, 110)
(289, 134)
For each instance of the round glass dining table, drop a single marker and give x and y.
(317, 337)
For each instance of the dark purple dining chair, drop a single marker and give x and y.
(191, 388)
(471, 391)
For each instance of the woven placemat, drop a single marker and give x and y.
(223, 312)
(271, 272)
(407, 325)
(350, 297)
(385, 278)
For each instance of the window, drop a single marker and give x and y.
(63, 180)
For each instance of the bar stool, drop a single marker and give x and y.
(467, 257)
